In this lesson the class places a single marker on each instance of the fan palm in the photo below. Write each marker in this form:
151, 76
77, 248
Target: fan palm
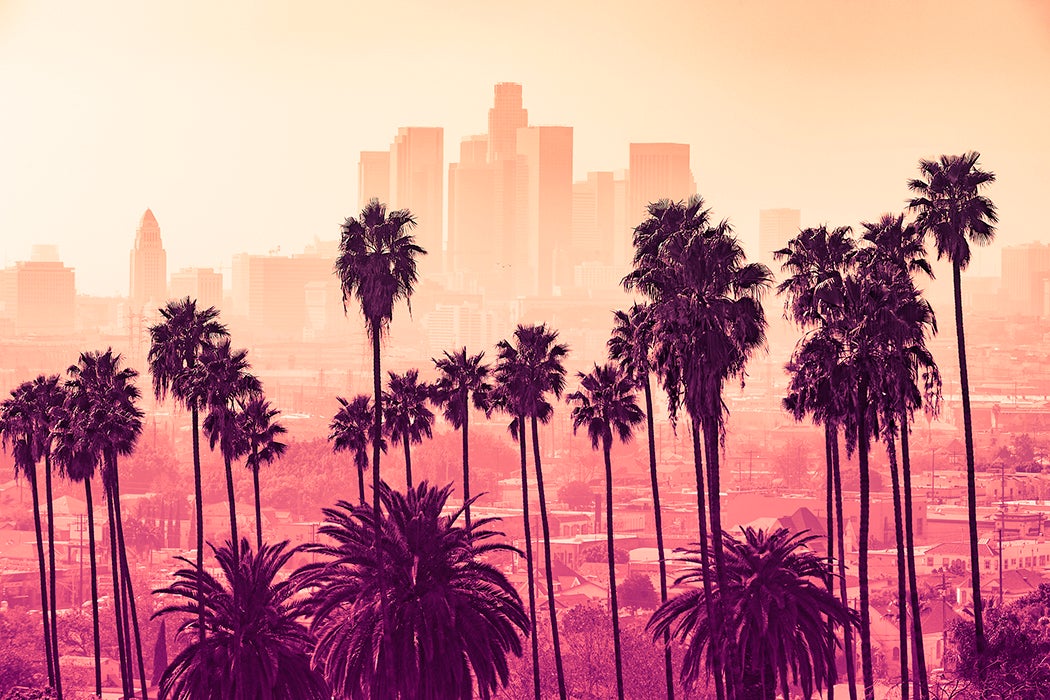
408, 418
257, 645
776, 606
453, 617
606, 404
630, 346
261, 429
176, 344
952, 208
530, 369
350, 430
462, 380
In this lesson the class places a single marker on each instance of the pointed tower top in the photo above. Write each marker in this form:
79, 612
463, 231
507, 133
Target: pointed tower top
148, 233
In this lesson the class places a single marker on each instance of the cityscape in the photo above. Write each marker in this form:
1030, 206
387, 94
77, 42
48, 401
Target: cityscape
655, 391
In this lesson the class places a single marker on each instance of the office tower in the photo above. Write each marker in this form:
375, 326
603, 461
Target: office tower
657, 171
1026, 278
506, 116
373, 177
271, 291
149, 266
417, 176
593, 215
541, 253
473, 249
775, 228
38, 296
200, 283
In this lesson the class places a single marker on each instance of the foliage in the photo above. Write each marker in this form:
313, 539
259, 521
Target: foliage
22, 660
577, 495
637, 591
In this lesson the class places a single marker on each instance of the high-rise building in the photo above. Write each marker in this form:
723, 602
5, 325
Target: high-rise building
657, 171
38, 297
1026, 278
506, 116
200, 283
270, 291
593, 214
373, 177
417, 177
473, 249
149, 265
542, 249
775, 228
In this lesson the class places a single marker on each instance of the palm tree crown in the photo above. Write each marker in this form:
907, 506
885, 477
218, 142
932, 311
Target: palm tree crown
606, 403
176, 344
350, 430
530, 369
462, 380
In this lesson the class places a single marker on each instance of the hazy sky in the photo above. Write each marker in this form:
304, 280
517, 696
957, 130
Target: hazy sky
240, 123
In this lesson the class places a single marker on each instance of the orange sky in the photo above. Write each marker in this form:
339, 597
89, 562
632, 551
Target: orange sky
240, 123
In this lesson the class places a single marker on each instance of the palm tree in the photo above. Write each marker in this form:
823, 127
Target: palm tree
105, 397
377, 266
260, 428
952, 209
19, 432
350, 430
630, 346
453, 617
606, 402
223, 374
176, 344
257, 645
462, 380
776, 606
408, 419
529, 370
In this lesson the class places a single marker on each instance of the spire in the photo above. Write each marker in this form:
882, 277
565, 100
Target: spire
148, 233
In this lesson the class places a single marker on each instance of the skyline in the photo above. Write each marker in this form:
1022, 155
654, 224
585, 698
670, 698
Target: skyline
241, 128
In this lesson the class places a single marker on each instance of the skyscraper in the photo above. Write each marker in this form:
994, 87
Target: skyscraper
657, 171
542, 258
200, 283
473, 249
149, 265
417, 183
506, 116
775, 228
373, 177
38, 296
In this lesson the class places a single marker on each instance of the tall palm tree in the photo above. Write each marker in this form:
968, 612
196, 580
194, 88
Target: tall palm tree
351, 428
105, 398
408, 418
377, 266
530, 369
176, 344
453, 617
19, 433
630, 346
224, 374
462, 380
606, 403
261, 429
952, 208
776, 605
257, 644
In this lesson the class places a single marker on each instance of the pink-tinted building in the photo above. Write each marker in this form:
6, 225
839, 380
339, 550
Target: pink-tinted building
473, 248
373, 177
38, 297
542, 255
149, 266
657, 171
417, 182
775, 228
201, 283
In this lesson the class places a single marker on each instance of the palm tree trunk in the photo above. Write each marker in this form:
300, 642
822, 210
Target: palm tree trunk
232, 497
613, 604
714, 509
829, 506
653, 477
971, 477
258, 504
361, 483
466, 461
919, 671
382, 683
528, 557
705, 554
96, 632
129, 590
408, 463
551, 604
51, 565
902, 575
48, 646
118, 601
865, 522
847, 632
199, 506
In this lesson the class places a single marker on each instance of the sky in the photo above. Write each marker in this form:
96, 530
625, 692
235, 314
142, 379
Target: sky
239, 123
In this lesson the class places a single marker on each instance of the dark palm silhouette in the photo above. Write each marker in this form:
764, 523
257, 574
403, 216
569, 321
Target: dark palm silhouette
606, 404
408, 418
776, 605
224, 375
630, 346
952, 209
530, 369
261, 429
257, 645
104, 397
462, 381
350, 430
176, 344
453, 617
377, 267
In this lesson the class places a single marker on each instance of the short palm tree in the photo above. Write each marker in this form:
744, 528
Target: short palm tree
257, 645
776, 605
462, 381
453, 617
606, 405
350, 430
952, 209
408, 418
261, 429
